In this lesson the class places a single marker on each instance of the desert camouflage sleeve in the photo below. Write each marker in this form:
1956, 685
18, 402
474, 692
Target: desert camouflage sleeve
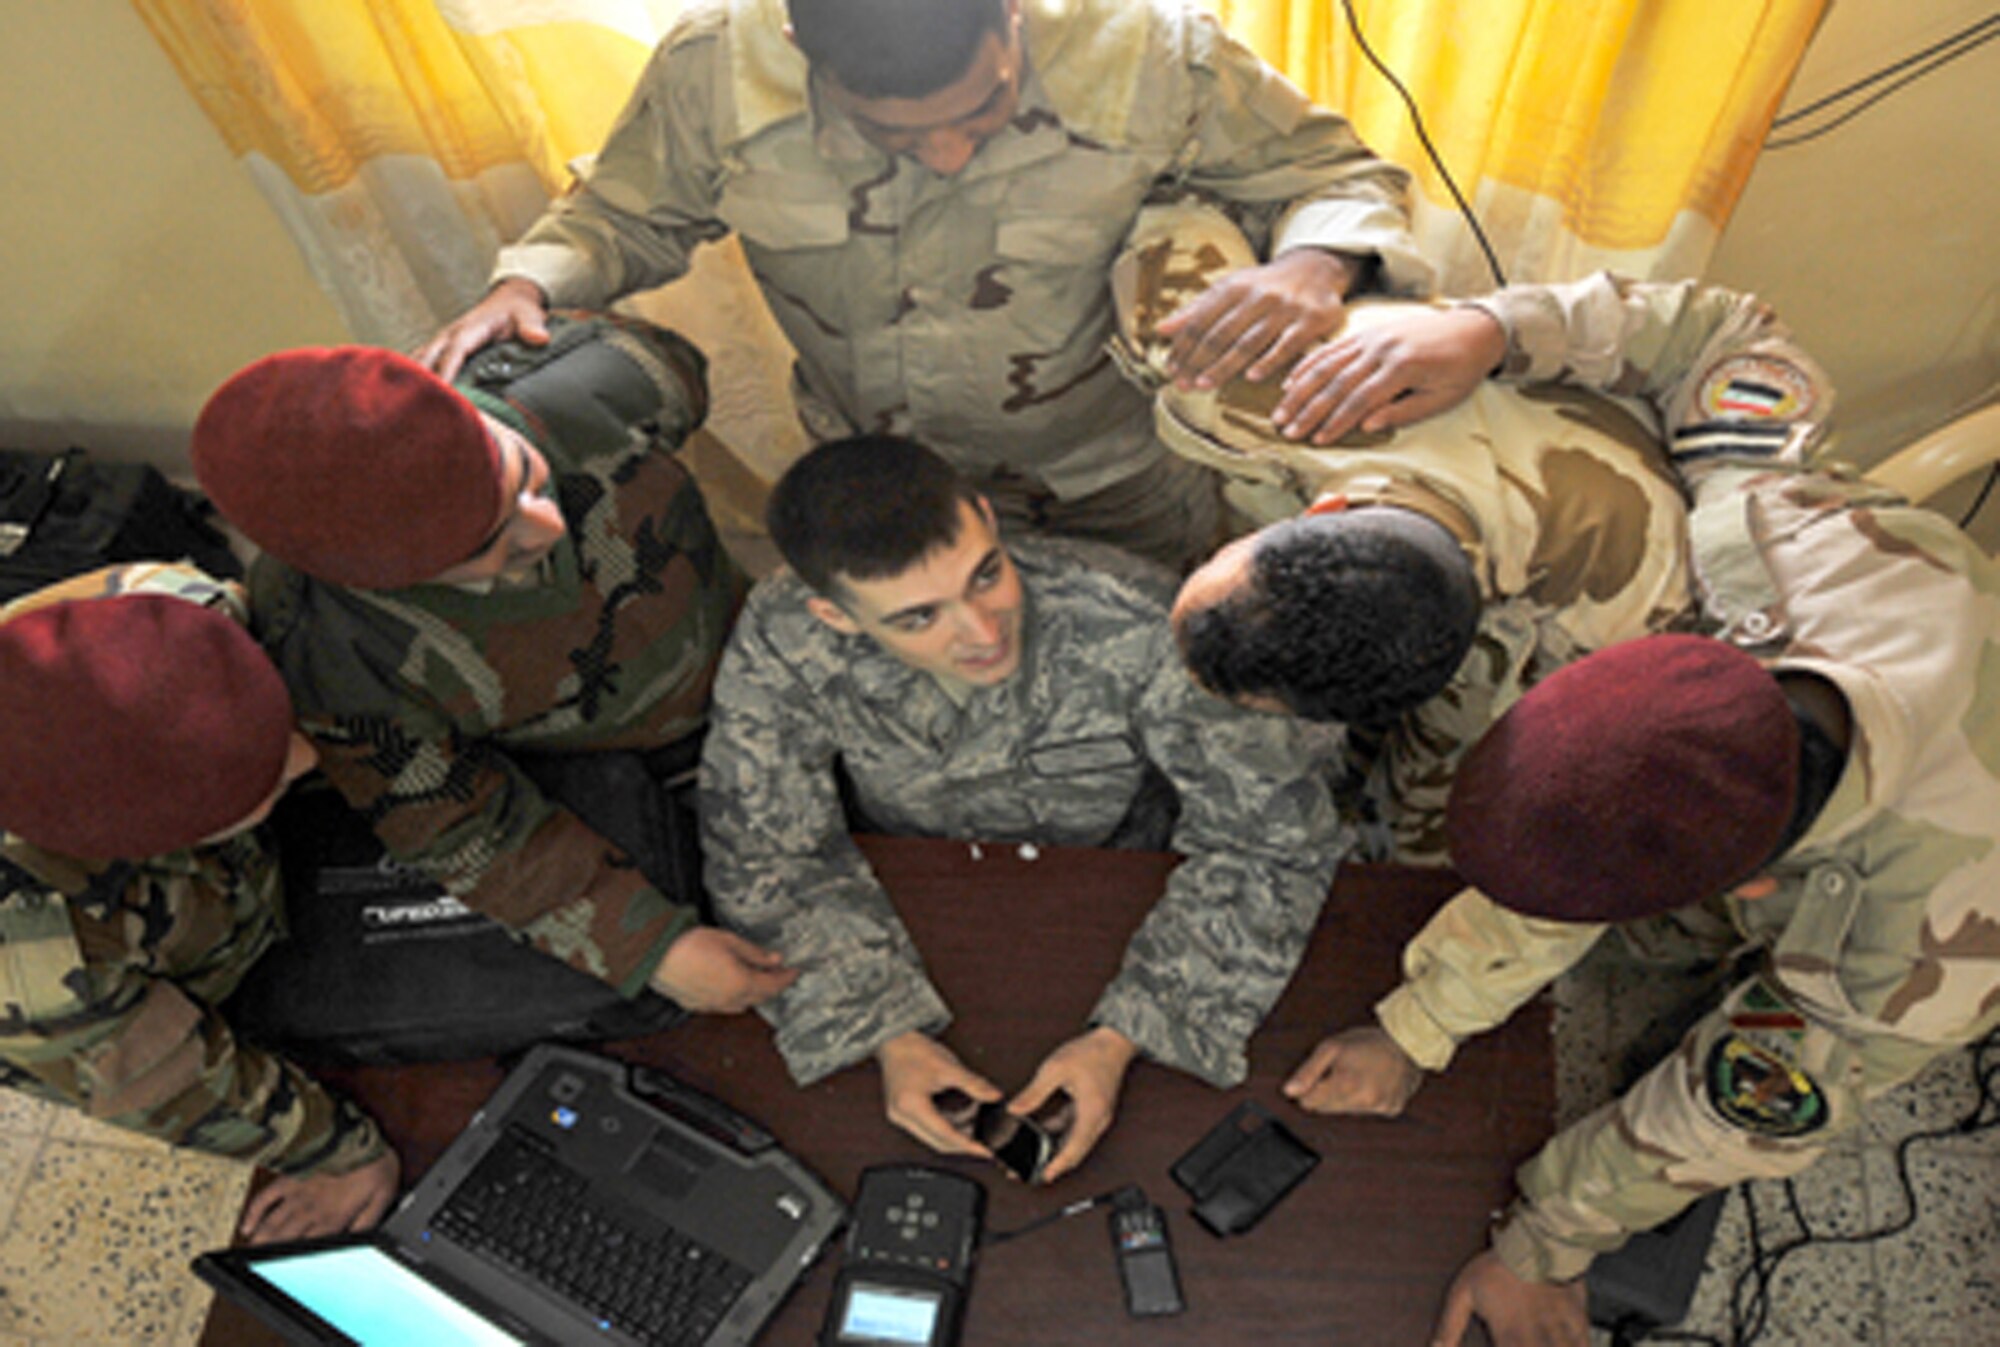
1728, 379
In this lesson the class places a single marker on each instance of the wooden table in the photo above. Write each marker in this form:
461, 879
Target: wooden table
1020, 947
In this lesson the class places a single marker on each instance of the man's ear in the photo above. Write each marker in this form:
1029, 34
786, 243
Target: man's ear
831, 613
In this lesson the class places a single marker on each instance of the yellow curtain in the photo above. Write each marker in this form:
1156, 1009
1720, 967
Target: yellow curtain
402, 141
1585, 133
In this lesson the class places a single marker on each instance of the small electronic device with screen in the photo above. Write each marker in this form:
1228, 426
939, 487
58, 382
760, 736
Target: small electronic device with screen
1021, 1145
907, 1264
1145, 1256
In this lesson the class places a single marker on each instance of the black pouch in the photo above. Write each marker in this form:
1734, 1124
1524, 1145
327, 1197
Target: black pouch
1240, 1170
63, 514
382, 966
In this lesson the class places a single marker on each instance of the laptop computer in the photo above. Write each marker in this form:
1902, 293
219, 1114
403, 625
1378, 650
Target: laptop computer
586, 1203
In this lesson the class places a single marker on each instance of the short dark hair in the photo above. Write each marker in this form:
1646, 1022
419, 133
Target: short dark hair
864, 508
894, 48
1354, 617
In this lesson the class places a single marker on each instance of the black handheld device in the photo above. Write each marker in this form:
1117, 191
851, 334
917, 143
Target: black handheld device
1022, 1146
907, 1263
1145, 1257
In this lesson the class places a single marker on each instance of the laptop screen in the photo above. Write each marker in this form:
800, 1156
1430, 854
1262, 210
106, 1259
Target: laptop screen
375, 1300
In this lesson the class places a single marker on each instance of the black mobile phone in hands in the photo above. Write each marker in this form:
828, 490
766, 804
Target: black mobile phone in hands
1022, 1146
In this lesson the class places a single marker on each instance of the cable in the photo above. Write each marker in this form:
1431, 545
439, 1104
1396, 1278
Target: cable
1076, 1208
1884, 72
1978, 501
1424, 137
1750, 1292
1962, 49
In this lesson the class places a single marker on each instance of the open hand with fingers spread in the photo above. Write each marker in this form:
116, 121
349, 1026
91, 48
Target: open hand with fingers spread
514, 308
1256, 321
1389, 374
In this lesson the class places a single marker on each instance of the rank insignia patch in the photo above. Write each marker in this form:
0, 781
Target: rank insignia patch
1754, 388
1759, 1091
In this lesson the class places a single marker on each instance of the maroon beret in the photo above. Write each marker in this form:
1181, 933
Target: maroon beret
134, 725
354, 465
1645, 777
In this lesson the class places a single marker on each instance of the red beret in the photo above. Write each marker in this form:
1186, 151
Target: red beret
354, 465
1645, 777
134, 725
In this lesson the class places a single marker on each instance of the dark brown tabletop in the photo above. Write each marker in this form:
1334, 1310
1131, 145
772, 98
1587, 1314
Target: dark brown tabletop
1020, 946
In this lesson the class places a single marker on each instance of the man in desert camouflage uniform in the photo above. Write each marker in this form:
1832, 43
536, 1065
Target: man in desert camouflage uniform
930, 194
961, 688
1554, 507
455, 576
1876, 923
142, 735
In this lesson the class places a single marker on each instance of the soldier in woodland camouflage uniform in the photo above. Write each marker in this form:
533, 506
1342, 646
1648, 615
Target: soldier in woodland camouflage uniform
930, 194
1878, 923
142, 734
1017, 694
1569, 523
454, 575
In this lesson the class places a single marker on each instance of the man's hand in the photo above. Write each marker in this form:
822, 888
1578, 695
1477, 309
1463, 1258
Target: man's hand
1390, 375
1517, 1313
1090, 1069
516, 307
1359, 1070
916, 1068
1269, 315
717, 972
311, 1205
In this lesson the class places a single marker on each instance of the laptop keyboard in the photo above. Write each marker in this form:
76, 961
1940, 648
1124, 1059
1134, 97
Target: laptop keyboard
525, 1209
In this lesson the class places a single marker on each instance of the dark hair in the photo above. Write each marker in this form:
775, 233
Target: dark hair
1354, 617
865, 507
894, 48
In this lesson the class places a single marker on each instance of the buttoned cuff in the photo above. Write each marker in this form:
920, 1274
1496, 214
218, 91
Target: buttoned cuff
1172, 1040
1405, 1019
1531, 1257
1365, 228
566, 277
816, 1050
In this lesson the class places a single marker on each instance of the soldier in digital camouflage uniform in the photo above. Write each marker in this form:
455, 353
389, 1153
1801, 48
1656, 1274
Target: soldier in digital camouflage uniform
1877, 924
1014, 694
453, 576
930, 194
1570, 526
142, 735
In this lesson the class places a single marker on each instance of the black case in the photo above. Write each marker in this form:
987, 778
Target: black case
383, 967
1240, 1170
63, 514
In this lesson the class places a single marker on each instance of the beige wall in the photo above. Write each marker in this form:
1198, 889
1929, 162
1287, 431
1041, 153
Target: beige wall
1878, 241
142, 267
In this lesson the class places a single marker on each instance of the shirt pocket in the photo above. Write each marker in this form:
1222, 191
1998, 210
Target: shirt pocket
791, 230
1083, 757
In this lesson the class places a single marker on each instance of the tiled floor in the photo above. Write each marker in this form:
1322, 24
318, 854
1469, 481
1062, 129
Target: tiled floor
97, 1227
1935, 1284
